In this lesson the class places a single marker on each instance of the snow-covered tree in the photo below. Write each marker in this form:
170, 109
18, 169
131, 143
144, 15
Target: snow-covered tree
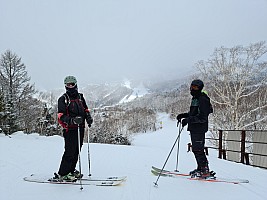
116, 124
29, 116
17, 90
236, 79
47, 120
1, 107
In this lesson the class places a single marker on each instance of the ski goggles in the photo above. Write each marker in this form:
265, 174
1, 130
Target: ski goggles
70, 85
194, 87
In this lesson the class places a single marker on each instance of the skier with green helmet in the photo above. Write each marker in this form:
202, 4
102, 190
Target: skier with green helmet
72, 114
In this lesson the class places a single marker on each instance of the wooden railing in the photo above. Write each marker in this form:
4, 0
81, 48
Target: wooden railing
244, 146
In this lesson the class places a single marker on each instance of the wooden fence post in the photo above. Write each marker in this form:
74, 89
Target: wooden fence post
247, 158
220, 144
243, 146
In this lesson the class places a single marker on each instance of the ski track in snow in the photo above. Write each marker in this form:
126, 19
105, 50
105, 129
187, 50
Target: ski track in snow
23, 155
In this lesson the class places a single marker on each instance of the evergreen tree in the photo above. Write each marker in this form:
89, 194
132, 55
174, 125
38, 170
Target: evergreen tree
1, 109
16, 90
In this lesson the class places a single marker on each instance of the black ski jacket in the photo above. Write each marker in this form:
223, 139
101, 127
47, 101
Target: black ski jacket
197, 117
70, 107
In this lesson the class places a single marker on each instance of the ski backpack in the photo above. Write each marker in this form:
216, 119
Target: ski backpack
205, 93
70, 106
68, 102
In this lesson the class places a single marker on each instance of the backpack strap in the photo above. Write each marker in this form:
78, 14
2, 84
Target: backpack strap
68, 101
67, 98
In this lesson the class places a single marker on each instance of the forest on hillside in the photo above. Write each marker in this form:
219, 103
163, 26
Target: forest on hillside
235, 79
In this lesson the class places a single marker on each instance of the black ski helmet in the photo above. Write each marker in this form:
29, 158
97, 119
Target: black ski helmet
198, 83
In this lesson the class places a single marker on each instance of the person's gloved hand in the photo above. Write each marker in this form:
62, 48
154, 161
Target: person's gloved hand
181, 116
184, 122
89, 119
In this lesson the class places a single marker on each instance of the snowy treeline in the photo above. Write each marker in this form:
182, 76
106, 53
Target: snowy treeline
235, 79
173, 102
18, 107
47, 119
116, 124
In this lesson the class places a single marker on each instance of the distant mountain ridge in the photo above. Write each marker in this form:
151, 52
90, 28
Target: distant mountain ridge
109, 94
116, 93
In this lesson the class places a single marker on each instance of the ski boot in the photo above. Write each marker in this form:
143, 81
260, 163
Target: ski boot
55, 178
66, 178
77, 174
206, 174
194, 172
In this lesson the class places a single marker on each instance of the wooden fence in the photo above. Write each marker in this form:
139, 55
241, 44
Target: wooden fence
244, 146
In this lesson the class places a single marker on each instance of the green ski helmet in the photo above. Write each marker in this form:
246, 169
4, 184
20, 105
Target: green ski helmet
70, 79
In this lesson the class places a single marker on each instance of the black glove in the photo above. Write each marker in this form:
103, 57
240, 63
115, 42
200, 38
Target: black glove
89, 119
184, 122
77, 120
180, 116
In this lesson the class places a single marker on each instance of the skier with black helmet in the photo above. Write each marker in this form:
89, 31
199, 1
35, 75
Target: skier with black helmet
72, 113
197, 120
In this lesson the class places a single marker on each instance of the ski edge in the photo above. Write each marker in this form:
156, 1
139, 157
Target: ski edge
168, 172
96, 182
157, 171
109, 178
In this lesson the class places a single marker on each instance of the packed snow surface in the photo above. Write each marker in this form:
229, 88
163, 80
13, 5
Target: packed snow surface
22, 155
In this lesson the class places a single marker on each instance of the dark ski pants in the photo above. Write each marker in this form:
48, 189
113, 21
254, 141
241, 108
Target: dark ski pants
71, 153
198, 143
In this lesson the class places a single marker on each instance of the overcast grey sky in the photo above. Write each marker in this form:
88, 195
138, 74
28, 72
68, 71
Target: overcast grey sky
109, 40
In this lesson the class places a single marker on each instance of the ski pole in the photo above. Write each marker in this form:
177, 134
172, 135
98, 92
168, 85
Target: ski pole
79, 156
178, 137
89, 160
178, 147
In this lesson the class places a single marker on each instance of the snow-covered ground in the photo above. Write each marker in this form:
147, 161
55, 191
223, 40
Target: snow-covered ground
23, 155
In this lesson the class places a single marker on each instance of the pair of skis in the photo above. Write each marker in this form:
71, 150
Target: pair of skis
97, 181
166, 173
115, 181
161, 172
